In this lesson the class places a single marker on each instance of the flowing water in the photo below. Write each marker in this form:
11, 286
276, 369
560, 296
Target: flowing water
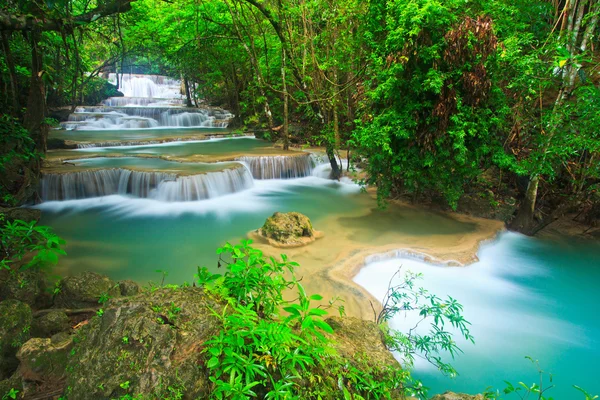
525, 297
131, 201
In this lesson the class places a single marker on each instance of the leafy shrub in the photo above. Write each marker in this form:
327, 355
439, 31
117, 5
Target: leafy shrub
19, 238
272, 348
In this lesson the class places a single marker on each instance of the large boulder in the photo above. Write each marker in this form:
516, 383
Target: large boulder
153, 341
15, 324
44, 359
84, 290
50, 323
288, 230
457, 396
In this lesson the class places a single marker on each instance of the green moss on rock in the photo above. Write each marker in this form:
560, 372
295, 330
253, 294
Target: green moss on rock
15, 324
84, 290
288, 229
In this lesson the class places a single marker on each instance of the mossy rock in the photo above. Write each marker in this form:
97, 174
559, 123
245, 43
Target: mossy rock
84, 290
45, 359
51, 323
153, 341
288, 230
129, 288
28, 286
12, 383
15, 324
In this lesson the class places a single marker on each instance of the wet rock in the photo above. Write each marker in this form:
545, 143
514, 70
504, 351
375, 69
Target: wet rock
84, 290
152, 340
49, 324
28, 286
25, 214
129, 288
457, 396
45, 359
15, 324
288, 230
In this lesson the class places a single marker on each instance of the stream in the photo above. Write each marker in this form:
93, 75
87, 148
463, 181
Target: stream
154, 186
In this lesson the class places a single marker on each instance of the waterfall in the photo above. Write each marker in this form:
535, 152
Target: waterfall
279, 167
151, 86
139, 117
154, 185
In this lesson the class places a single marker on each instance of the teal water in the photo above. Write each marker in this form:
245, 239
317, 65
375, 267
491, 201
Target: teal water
186, 149
132, 134
147, 164
525, 297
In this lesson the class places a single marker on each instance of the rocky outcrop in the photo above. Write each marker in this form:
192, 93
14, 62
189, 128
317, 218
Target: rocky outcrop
288, 230
84, 290
153, 341
15, 323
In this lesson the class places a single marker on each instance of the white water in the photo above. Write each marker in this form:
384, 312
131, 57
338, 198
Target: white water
167, 187
150, 101
279, 167
511, 297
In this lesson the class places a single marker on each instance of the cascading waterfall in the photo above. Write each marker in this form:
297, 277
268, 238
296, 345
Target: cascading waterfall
137, 117
151, 101
154, 185
279, 167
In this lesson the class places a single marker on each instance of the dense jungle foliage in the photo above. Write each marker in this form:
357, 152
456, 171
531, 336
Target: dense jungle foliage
434, 100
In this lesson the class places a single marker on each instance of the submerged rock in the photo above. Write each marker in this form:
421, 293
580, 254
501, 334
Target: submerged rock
153, 341
84, 290
15, 323
288, 230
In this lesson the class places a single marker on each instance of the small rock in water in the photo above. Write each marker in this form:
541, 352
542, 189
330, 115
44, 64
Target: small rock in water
288, 230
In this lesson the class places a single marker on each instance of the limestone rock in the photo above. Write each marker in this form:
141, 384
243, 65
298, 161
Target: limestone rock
288, 230
49, 324
84, 290
457, 396
152, 340
129, 288
45, 359
15, 323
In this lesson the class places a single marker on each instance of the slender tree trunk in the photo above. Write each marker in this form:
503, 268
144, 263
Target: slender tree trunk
11, 72
188, 97
36, 103
285, 130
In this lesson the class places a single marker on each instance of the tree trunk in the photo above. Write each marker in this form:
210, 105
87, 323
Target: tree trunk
188, 97
12, 73
285, 130
336, 172
524, 222
36, 103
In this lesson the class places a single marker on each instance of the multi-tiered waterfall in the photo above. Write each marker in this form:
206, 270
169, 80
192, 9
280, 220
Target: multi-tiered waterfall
150, 101
106, 159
